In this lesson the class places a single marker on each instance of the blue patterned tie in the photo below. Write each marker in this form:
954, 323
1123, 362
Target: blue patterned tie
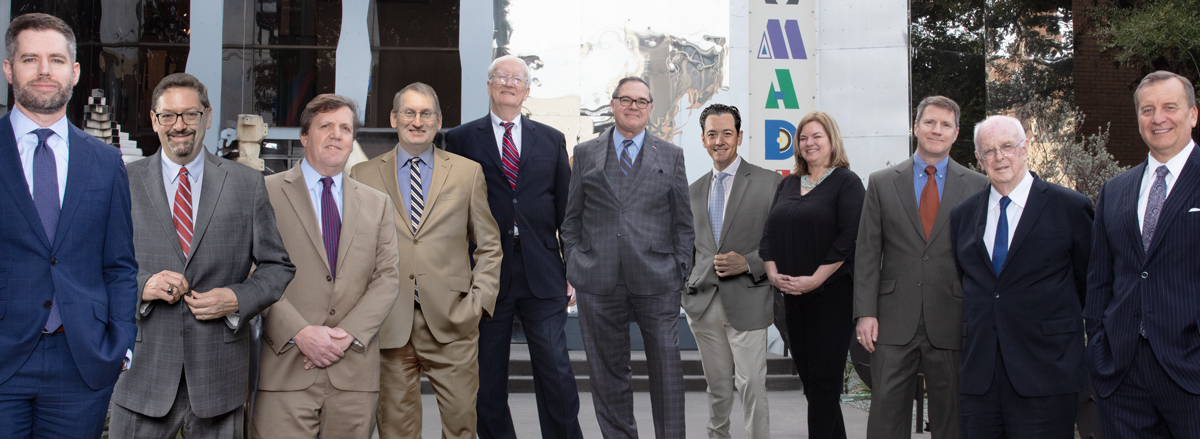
45, 197
716, 206
1158, 196
1000, 249
416, 196
626, 160
331, 225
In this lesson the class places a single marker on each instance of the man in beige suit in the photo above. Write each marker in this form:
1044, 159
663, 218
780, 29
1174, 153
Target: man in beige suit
320, 368
441, 207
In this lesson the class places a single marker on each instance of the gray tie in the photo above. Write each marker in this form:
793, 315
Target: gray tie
1158, 196
45, 198
716, 206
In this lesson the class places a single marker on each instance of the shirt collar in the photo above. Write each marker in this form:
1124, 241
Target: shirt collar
402, 156
312, 178
637, 139
1018, 196
1175, 164
497, 121
195, 167
731, 169
23, 125
919, 165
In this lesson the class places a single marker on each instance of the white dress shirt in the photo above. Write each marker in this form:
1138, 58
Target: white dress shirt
1019, 196
27, 142
170, 171
1174, 167
498, 130
316, 189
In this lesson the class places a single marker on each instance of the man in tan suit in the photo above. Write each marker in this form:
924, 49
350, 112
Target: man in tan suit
441, 203
320, 368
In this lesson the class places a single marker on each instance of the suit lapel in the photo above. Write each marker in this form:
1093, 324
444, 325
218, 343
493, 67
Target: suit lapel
387, 173
981, 213
602, 161
12, 177
79, 177
904, 191
1185, 185
214, 182
152, 186
649, 158
1034, 205
952, 190
486, 136
296, 191
351, 207
703, 224
734, 202
441, 170
1127, 202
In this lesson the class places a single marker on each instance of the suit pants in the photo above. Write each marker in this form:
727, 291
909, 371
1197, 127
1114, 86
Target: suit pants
894, 371
1149, 403
1001, 412
128, 424
47, 398
544, 322
320, 411
453, 371
820, 326
732, 360
604, 321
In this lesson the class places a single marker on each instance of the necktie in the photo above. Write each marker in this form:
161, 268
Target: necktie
716, 206
1000, 249
1158, 196
45, 198
416, 198
331, 225
929, 201
511, 158
626, 161
182, 213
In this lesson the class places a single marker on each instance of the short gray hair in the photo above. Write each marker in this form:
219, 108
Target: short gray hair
1163, 75
1012, 122
496, 62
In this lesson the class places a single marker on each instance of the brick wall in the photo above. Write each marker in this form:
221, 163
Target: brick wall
1104, 92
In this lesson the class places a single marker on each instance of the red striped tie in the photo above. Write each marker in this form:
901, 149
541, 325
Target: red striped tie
511, 159
183, 211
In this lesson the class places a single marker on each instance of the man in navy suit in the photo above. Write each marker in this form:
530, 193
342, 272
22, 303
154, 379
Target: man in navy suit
1144, 285
67, 268
526, 168
1022, 248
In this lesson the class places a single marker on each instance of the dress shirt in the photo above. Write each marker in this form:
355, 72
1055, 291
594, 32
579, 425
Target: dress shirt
731, 170
919, 176
170, 171
1018, 198
27, 142
498, 129
404, 177
633, 149
1174, 167
316, 189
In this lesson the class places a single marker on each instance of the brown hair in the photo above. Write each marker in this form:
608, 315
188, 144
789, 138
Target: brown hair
179, 80
837, 157
37, 21
942, 102
1163, 75
327, 103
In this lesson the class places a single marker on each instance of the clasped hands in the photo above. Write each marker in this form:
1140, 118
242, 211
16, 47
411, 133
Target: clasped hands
794, 285
321, 345
170, 286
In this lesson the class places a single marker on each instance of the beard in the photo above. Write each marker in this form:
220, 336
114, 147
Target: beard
51, 104
184, 148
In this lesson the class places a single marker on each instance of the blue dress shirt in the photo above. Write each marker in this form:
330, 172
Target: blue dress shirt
316, 189
633, 149
919, 176
403, 176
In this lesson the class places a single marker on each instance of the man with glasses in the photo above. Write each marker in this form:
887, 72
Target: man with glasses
628, 241
527, 172
433, 328
201, 224
1022, 248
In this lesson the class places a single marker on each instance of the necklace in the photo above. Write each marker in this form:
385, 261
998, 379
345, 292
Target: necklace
809, 185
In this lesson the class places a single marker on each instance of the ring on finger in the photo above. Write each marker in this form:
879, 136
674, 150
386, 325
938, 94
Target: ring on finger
170, 289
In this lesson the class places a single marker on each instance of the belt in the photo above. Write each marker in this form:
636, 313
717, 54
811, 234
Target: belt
56, 331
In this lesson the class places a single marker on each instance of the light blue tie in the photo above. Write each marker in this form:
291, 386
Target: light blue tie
1000, 249
716, 206
45, 198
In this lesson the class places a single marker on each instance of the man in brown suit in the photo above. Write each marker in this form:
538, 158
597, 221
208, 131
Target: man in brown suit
441, 203
320, 368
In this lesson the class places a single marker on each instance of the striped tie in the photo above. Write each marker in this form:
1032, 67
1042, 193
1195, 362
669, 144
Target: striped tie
182, 212
512, 158
416, 195
626, 161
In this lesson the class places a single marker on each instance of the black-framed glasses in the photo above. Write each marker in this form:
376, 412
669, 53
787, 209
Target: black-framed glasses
1005, 150
510, 79
409, 115
626, 101
189, 117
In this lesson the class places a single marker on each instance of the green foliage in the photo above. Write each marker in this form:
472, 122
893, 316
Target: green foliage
1060, 152
1030, 52
1151, 34
947, 43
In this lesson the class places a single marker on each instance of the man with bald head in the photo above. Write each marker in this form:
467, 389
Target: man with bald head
527, 173
1022, 248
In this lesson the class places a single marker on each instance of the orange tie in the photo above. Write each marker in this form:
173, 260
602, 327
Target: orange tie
929, 201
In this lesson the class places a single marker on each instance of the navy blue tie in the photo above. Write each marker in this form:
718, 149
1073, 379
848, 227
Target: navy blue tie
1000, 249
45, 198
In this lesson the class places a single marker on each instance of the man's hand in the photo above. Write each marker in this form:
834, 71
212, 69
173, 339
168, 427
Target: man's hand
165, 285
571, 295
730, 264
868, 332
213, 304
321, 345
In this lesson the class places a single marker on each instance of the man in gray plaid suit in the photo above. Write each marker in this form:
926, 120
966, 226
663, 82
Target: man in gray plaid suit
200, 223
628, 246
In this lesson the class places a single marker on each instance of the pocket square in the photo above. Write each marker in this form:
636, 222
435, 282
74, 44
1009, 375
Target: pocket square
1194, 209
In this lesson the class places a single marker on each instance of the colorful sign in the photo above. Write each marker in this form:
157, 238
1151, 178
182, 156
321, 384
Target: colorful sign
783, 79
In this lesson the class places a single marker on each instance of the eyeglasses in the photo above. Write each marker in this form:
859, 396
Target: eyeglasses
510, 79
1005, 150
409, 115
626, 101
189, 117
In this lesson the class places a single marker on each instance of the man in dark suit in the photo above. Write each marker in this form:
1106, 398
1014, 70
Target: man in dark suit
1022, 249
729, 303
67, 267
201, 223
628, 241
1142, 311
525, 165
907, 296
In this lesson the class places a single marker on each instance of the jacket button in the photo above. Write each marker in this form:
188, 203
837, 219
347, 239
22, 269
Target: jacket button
328, 278
414, 241
54, 261
332, 311
918, 284
1145, 275
48, 304
997, 296
926, 258
411, 277
514, 201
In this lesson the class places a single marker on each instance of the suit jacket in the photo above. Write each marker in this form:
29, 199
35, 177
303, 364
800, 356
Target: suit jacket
543, 176
90, 266
648, 229
1034, 310
367, 284
454, 295
234, 232
747, 297
1126, 282
900, 275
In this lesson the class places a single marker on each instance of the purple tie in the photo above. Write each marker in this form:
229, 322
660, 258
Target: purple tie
45, 197
1158, 196
331, 225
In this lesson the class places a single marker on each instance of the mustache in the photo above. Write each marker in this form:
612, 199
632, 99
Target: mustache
183, 132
